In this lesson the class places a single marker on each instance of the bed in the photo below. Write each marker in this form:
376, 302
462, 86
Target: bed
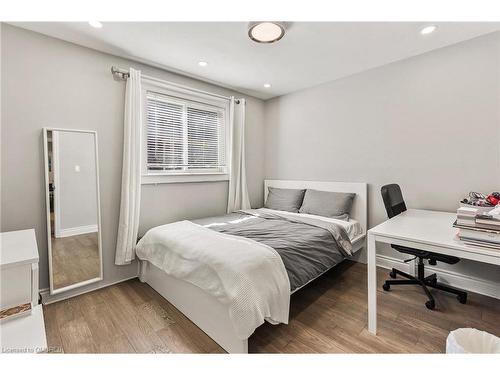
281, 252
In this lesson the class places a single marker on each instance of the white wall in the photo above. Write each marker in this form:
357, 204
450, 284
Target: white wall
47, 82
430, 123
76, 189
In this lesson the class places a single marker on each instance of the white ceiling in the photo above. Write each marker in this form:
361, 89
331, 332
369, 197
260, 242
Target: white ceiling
309, 54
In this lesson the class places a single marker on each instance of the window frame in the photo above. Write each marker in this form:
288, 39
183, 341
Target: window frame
202, 99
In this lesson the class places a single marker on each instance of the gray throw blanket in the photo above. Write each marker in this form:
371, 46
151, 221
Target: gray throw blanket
308, 247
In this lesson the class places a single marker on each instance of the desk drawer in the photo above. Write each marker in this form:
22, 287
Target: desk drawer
15, 287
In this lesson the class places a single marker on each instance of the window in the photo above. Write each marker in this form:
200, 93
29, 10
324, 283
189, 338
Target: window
185, 136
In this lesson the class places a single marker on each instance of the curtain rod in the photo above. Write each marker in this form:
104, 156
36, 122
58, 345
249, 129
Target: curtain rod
120, 74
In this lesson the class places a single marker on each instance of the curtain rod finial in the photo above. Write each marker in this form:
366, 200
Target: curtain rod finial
118, 74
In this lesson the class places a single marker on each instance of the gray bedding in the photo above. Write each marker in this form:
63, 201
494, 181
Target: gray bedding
308, 247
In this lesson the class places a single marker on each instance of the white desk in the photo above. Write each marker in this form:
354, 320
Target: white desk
420, 229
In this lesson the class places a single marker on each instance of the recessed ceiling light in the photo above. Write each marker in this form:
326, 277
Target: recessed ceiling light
95, 24
428, 29
267, 85
202, 63
266, 32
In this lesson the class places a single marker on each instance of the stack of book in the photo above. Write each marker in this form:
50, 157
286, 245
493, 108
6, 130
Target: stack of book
479, 226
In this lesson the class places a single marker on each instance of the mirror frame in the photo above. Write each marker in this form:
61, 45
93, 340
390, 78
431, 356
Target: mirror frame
47, 205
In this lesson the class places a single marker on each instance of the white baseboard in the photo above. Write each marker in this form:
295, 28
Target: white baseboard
465, 282
48, 299
77, 231
390, 262
471, 284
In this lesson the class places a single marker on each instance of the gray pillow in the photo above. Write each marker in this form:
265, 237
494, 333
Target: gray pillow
284, 199
327, 203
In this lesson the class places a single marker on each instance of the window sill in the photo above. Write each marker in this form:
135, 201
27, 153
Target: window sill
181, 178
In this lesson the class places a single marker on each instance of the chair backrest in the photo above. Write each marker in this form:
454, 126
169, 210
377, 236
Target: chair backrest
393, 199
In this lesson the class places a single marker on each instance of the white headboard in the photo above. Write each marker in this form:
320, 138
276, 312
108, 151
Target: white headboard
359, 209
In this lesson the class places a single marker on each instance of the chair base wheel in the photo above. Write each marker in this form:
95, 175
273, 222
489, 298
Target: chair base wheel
386, 287
430, 305
462, 299
392, 274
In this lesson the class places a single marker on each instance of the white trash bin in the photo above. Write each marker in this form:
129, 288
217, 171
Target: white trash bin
471, 340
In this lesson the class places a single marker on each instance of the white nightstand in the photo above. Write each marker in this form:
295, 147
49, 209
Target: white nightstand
21, 317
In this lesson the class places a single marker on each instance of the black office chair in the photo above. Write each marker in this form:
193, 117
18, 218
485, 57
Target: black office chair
394, 205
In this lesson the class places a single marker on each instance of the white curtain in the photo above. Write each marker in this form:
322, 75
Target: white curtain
131, 171
238, 192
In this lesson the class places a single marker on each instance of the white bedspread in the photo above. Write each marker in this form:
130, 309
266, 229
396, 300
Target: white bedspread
246, 275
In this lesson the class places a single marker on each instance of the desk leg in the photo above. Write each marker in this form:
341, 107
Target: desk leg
372, 285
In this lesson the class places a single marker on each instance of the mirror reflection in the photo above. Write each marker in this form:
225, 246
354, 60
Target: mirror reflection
73, 216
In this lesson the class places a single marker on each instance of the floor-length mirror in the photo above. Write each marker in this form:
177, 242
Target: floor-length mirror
73, 212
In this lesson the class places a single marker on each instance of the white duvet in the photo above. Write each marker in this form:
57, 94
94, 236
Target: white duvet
248, 276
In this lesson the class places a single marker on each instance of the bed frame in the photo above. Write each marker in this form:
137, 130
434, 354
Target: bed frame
208, 313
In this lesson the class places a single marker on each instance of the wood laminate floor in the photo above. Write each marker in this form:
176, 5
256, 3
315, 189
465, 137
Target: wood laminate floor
75, 259
327, 316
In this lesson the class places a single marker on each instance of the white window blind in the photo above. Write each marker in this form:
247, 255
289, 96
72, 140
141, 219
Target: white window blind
183, 136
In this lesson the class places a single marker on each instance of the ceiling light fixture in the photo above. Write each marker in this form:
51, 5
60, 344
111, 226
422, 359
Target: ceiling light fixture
267, 85
428, 29
202, 63
266, 32
95, 24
